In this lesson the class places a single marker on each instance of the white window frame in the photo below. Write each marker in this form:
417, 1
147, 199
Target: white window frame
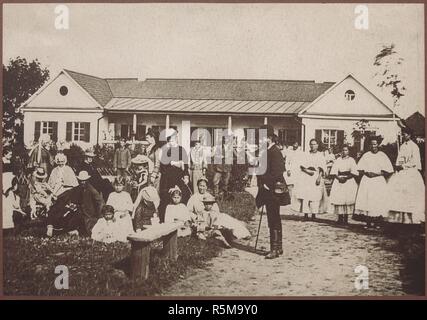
79, 126
328, 143
46, 128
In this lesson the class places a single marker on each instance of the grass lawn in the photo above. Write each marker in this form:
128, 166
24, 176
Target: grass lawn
97, 269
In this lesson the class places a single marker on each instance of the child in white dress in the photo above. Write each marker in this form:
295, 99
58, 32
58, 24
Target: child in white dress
178, 212
122, 203
108, 229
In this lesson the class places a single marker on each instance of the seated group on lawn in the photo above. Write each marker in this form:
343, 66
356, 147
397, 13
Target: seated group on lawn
79, 200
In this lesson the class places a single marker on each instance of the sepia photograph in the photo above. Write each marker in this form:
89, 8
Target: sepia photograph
213, 150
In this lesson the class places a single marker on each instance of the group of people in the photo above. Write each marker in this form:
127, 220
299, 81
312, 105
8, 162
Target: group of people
371, 190
148, 188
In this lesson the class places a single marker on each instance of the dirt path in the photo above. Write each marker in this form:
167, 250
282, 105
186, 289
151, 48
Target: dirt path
319, 259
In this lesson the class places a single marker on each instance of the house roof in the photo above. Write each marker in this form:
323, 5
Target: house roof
219, 89
416, 122
206, 106
97, 87
201, 95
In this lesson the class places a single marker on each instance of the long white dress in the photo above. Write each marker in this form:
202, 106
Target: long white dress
407, 186
308, 193
343, 195
373, 195
9, 203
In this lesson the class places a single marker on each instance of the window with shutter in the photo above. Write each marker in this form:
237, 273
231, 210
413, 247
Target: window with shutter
140, 132
54, 135
68, 133
86, 132
37, 131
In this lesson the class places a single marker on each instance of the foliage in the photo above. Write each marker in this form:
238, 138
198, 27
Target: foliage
387, 61
98, 269
21, 79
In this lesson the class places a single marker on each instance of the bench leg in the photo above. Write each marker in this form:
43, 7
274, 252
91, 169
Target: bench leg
140, 260
170, 245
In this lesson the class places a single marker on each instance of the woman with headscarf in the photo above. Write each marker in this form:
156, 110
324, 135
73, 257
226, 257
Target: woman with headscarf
373, 196
62, 177
407, 189
310, 185
344, 187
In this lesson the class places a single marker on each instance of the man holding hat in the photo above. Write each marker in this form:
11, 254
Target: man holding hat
268, 182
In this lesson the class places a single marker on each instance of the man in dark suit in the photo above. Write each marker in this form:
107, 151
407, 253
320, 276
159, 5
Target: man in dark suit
267, 183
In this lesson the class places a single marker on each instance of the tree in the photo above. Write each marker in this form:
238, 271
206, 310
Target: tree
21, 79
388, 61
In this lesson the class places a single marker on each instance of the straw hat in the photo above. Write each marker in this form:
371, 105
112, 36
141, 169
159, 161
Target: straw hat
83, 176
40, 173
140, 159
89, 153
209, 199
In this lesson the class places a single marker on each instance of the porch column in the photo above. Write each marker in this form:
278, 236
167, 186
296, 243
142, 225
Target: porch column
265, 120
230, 124
167, 121
186, 135
134, 127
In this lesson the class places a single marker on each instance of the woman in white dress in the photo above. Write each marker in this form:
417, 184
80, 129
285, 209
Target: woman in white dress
309, 191
406, 185
373, 196
344, 187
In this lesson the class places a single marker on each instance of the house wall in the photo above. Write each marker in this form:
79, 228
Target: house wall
30, 117
185, 122
387, 128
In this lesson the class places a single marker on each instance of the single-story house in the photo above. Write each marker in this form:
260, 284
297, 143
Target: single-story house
81, 108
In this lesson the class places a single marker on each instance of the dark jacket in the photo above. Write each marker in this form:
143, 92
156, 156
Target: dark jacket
275, 168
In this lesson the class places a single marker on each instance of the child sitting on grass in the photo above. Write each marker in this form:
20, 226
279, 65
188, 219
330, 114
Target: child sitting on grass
178, 212
108, 229
205, 222
122, 203
12, 212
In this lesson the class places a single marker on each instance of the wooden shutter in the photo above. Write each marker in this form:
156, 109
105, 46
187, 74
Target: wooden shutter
69, 132
340, 137
318, 136
124, 130
37, 127
86, 132
140, 132
54, 131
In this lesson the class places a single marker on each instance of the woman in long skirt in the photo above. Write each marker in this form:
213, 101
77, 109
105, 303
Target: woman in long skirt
344, 187
309, 191
406, 185
373, 196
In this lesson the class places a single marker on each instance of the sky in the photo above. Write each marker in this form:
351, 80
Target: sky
225, 41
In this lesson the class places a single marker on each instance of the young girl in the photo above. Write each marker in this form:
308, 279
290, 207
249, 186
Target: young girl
139, 175
122, 203
40, 192
178, 212
108, 229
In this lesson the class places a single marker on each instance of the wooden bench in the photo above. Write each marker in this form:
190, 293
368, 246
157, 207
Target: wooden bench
141, 247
